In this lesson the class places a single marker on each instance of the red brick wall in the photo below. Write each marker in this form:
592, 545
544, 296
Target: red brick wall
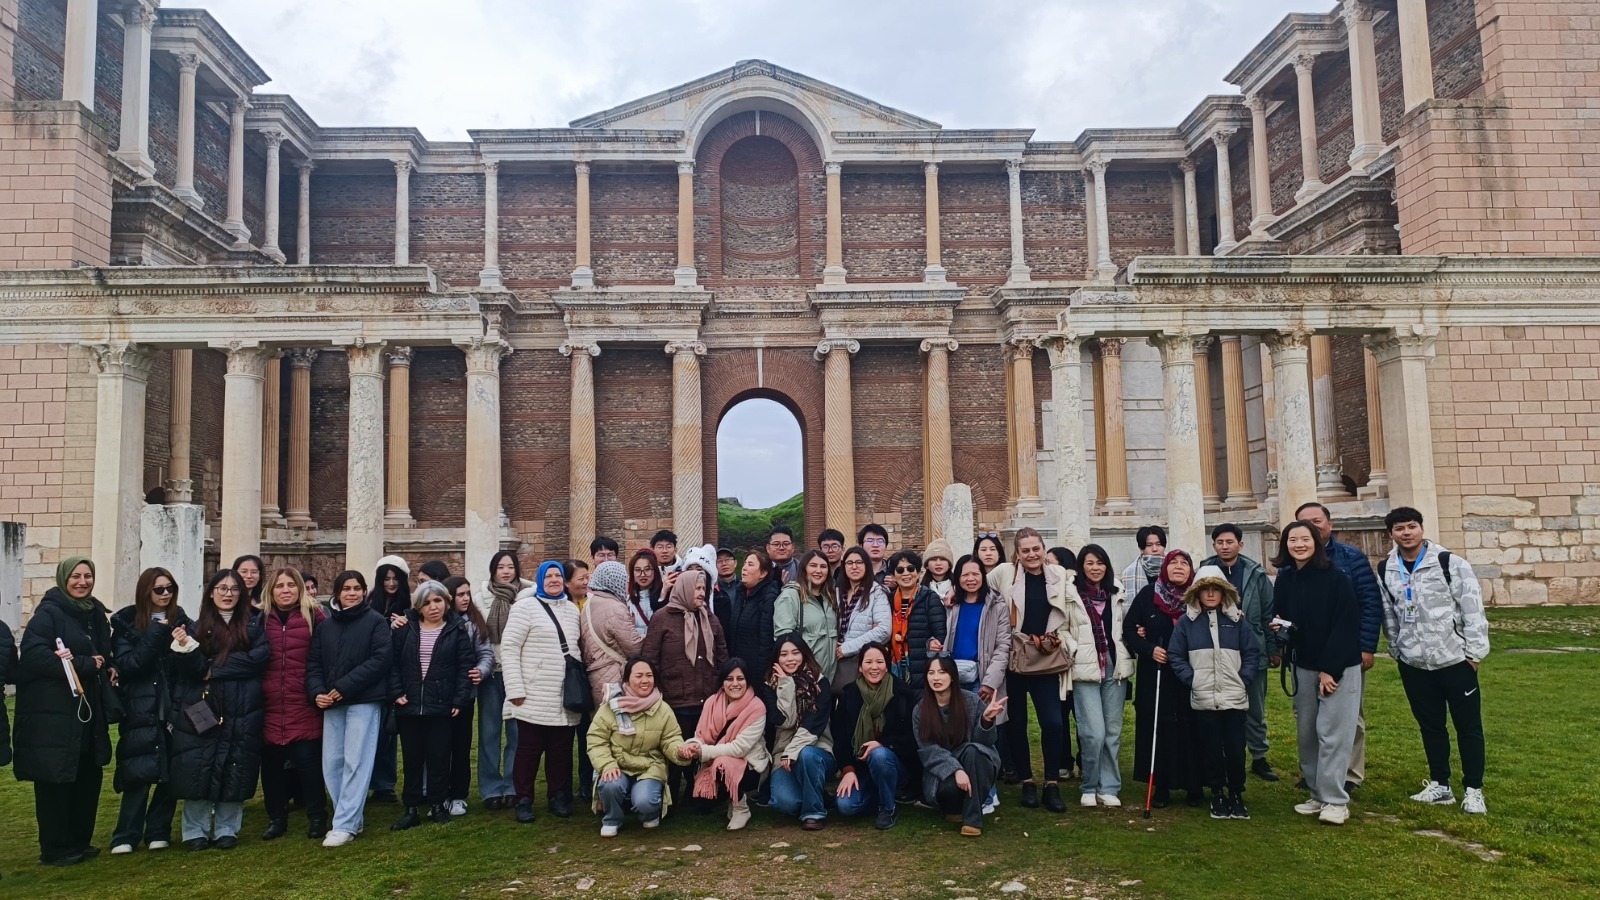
538, 229
447, 225
1283, 155
885, 227
975, 226
887, 388
760, 203
439, 436
634, 227
1350, 407
535, 434
353, 216
1054, 231
330, 436
1239, 171
1139, 211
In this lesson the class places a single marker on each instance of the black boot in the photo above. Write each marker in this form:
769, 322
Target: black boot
1263, 770
525, 811
438, 815
561, 805
276, 828
409, 820
1052, 798
318, 829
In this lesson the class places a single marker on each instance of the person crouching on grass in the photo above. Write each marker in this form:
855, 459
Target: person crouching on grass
1214, 653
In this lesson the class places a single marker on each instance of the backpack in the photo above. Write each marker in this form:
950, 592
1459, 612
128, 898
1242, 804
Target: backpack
1444, 567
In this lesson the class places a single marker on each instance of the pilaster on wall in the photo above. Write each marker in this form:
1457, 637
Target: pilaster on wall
68, 212
8, 40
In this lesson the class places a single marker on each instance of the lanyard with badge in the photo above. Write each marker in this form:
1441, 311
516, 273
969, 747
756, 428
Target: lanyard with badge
1408, 611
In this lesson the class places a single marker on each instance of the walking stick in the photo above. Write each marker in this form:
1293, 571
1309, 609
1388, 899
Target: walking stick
1155, 729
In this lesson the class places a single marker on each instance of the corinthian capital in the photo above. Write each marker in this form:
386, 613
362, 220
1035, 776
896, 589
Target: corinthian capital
124, 358
484, 354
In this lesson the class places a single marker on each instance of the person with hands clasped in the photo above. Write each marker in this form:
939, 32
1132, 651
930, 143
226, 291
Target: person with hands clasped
955, 738
293, 729
430, 684
804, 745
1158, 693
1101, 668
633, 738
730, 743
541, 632
872, 742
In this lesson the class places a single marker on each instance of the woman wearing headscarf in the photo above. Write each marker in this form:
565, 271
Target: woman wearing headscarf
483, 666
864, 616
1100, 672
540, 632
1146, 632
497, 744
62, 740
293, 732
805, 607
685, 647
606, 628
955, 736
804, 703
730, 743
141, 635
633, 740
872, 742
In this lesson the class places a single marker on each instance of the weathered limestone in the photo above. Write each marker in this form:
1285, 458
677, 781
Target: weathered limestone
302, 231
839, 475
940, 469
1306, 94
935, 271
1402, 357
483, 489
489, 276
583, 265
1019, 271
688, 479
77, 76
1180, 243
956, 515
1208, 453
1416, 54
397, 504
183, 186
1377, 475
363, 530
1225, 241
582, 459
1115, 450
1091, 229
1291, 387
1026, 503
271, 407
1240, 493
402, 211
13, 550
1105, 269
1364, 108
124, 372
241, 449
269, 241
1073, 508
834, 272
1191, 208
1330, 472
133, 144
180, 487
1260, 177
235, 218
297, 512
685, 275
174, 538
1186, 519
1098, 374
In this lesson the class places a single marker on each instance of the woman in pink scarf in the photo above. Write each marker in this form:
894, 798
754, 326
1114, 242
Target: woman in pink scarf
1146, 630
730, 743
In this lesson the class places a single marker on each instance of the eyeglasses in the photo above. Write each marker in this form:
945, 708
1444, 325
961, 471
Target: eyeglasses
781, 545
227, 589
874, 542
163, 589
904, 570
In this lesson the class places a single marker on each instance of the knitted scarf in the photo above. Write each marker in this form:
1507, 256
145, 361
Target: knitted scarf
874, 700
1169, 594
505, 594
1096, 598
628, 704
724, 719
899, 649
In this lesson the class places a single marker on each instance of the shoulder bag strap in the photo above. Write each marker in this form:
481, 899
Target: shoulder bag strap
560, 635
588, 622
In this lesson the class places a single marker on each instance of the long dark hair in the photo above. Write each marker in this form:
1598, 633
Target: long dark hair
1107, 582
807, 678
1065, 558
1319, 554
994, 539
946, 731
144, 606
656, 598
251, 595
218, 637
516, 567
455, 583
842, 581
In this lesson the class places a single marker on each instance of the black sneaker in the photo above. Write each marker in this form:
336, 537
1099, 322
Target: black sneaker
197, 844
1009, 775
1052, 798
886, 819
1263, 770
61, 862
1236, 807
226, 842
438, 814
561, 805
1030, 795
1220, 809
409, 820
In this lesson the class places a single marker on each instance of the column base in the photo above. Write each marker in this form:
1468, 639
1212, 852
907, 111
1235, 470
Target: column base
933, 275
1259, 224
1377, 486
1308, 190
1106, 272
1027, 508
1364, 155
271, 517
296, 519
275, 254
1224, 248
139, 162
1019, 274
237, 229
190, 196
833, 275
490, 278
1329, 494
1212, 505
685, 276
582, 277
1117, 506
1239, 501
398, 518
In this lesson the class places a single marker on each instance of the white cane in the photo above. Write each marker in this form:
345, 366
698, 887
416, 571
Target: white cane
1155, 730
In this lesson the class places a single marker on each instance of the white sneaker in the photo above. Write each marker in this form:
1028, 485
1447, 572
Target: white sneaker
1110, 801
653, 823
337, 839
739, 815
609, 830
1473, 803
1334, 815
1086, 801
159, 845
458, 807
989, 806
1308, 808
1435, 793
120, 849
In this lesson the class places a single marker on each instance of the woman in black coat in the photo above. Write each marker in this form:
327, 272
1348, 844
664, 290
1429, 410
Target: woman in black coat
754, 595
920, 619
430, 689
142, 637
62, 742
875, 769
214, 772
1146, 631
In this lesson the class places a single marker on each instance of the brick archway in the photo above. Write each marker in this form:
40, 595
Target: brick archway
805, 249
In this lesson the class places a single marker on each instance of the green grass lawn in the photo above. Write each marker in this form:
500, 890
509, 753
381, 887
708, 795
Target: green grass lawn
1541, 712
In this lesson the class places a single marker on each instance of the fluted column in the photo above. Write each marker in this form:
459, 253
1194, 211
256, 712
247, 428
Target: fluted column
1402, 356
838, 438
1260, 173
124, 373
685, 275
180, 428
297, 508
489, 275
183, 183
1310, 162
1019, 271
1378, 475
582, 459
1208, 449
1186, 515
235, 220
1118, 501
271, 437
1098, 373
1416, 52
834, 271
1191, 207
1241, 494
78, 57
935, 271
1073, 509
269, 241
363, 530
1330, 472
483, 489
1364, 104
940, 471
1091, 228
688, 478
1291, 389
397, 502
134, 140
583, 265
1105, 269
302, 230
1225, 241
1023, 408
241, 450
402, 212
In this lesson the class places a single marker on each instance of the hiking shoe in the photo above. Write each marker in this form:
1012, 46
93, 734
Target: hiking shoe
1219, 807
525, 811
410, 820
1263, 770
560, 805
438, 814
1436, 794
1309, 807
1473, 802
1236, 808
886, 819
1030, 795
1333, 814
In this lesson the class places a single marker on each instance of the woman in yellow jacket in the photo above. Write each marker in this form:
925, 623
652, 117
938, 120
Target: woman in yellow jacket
633, 739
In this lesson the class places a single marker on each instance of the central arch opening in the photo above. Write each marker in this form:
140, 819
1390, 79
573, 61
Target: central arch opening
760, 473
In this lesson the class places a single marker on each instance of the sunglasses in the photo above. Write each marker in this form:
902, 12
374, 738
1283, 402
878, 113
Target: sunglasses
163, 590
988, 534
904, 570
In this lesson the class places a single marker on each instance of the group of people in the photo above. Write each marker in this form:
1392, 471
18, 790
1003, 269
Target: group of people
847, 680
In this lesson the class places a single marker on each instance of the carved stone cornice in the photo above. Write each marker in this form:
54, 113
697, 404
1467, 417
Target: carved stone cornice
910, 313
632, 316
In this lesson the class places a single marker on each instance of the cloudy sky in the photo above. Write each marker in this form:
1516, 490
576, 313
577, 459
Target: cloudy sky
445, 66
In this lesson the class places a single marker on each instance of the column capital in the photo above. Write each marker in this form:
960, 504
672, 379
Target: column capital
1413, 342
403, 167
1110, 347
124, 358
400, 357
1021, 347
948, 345
1065, 349
188, 61
1014, 168
247, 358
1202, 344
829, 345
1097, 165
1288, 339
1186, 166
305, 165
303, 357
1178, 348
1256, 103
484, 354
365, 357
686, 167
576, 347
239, 106
580, 168
491, 167
832, 168
693, 348
930, 168
1304, 64
1220, 136
274, 137
1353, 11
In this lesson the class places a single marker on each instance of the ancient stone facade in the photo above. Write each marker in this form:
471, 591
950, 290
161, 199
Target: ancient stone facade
1362, 280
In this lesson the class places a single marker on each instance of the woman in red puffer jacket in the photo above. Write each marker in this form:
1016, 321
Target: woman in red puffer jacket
292, 736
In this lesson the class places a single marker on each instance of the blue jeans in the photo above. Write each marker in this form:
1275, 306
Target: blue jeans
349, 742
198, 823
645, 794
1099, 711
797, 791
877, 782
145, 815
497, 744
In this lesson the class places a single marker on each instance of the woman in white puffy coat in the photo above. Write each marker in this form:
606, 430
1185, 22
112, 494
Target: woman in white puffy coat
531, 659
1101, 667
864, 616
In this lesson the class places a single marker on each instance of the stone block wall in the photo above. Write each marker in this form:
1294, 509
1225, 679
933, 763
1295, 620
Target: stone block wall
887, 383
760, 203
1284, 170
633, 227
439, 437
978, 429
354, 217
535, 429
55, 187
446, 225
538, 229
975, 226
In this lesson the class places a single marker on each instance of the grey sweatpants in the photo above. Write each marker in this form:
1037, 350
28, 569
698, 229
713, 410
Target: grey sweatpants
1326, 730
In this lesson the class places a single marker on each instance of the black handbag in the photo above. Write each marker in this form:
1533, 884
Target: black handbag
575, 695
202, 718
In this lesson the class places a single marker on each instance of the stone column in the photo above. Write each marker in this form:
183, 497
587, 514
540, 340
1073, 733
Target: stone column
397, 504
363, 530
235, 221
269, 241
1118, 501
834, 271
241, 450
134, 141
1019, 271
489, 276
1105, 269
1098, 373
1207, 446
935, 272
1022, 413
940, 471
1291, 389
1091, 229
402, 212
582, 459
685, 275
688, 478
1416, 52
1330, 480
298, 508
838, 437
1186, 515
77, 74
1402, 356
1378, 475
302, 232
1310, 162
271, 439
583, 268
1191, 207
180, 487
1225, 241
1073, 508
183, 186
1269, 415
1240, 493
1260, 173
124, 372
483, 500
1180, 245
1364, 108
